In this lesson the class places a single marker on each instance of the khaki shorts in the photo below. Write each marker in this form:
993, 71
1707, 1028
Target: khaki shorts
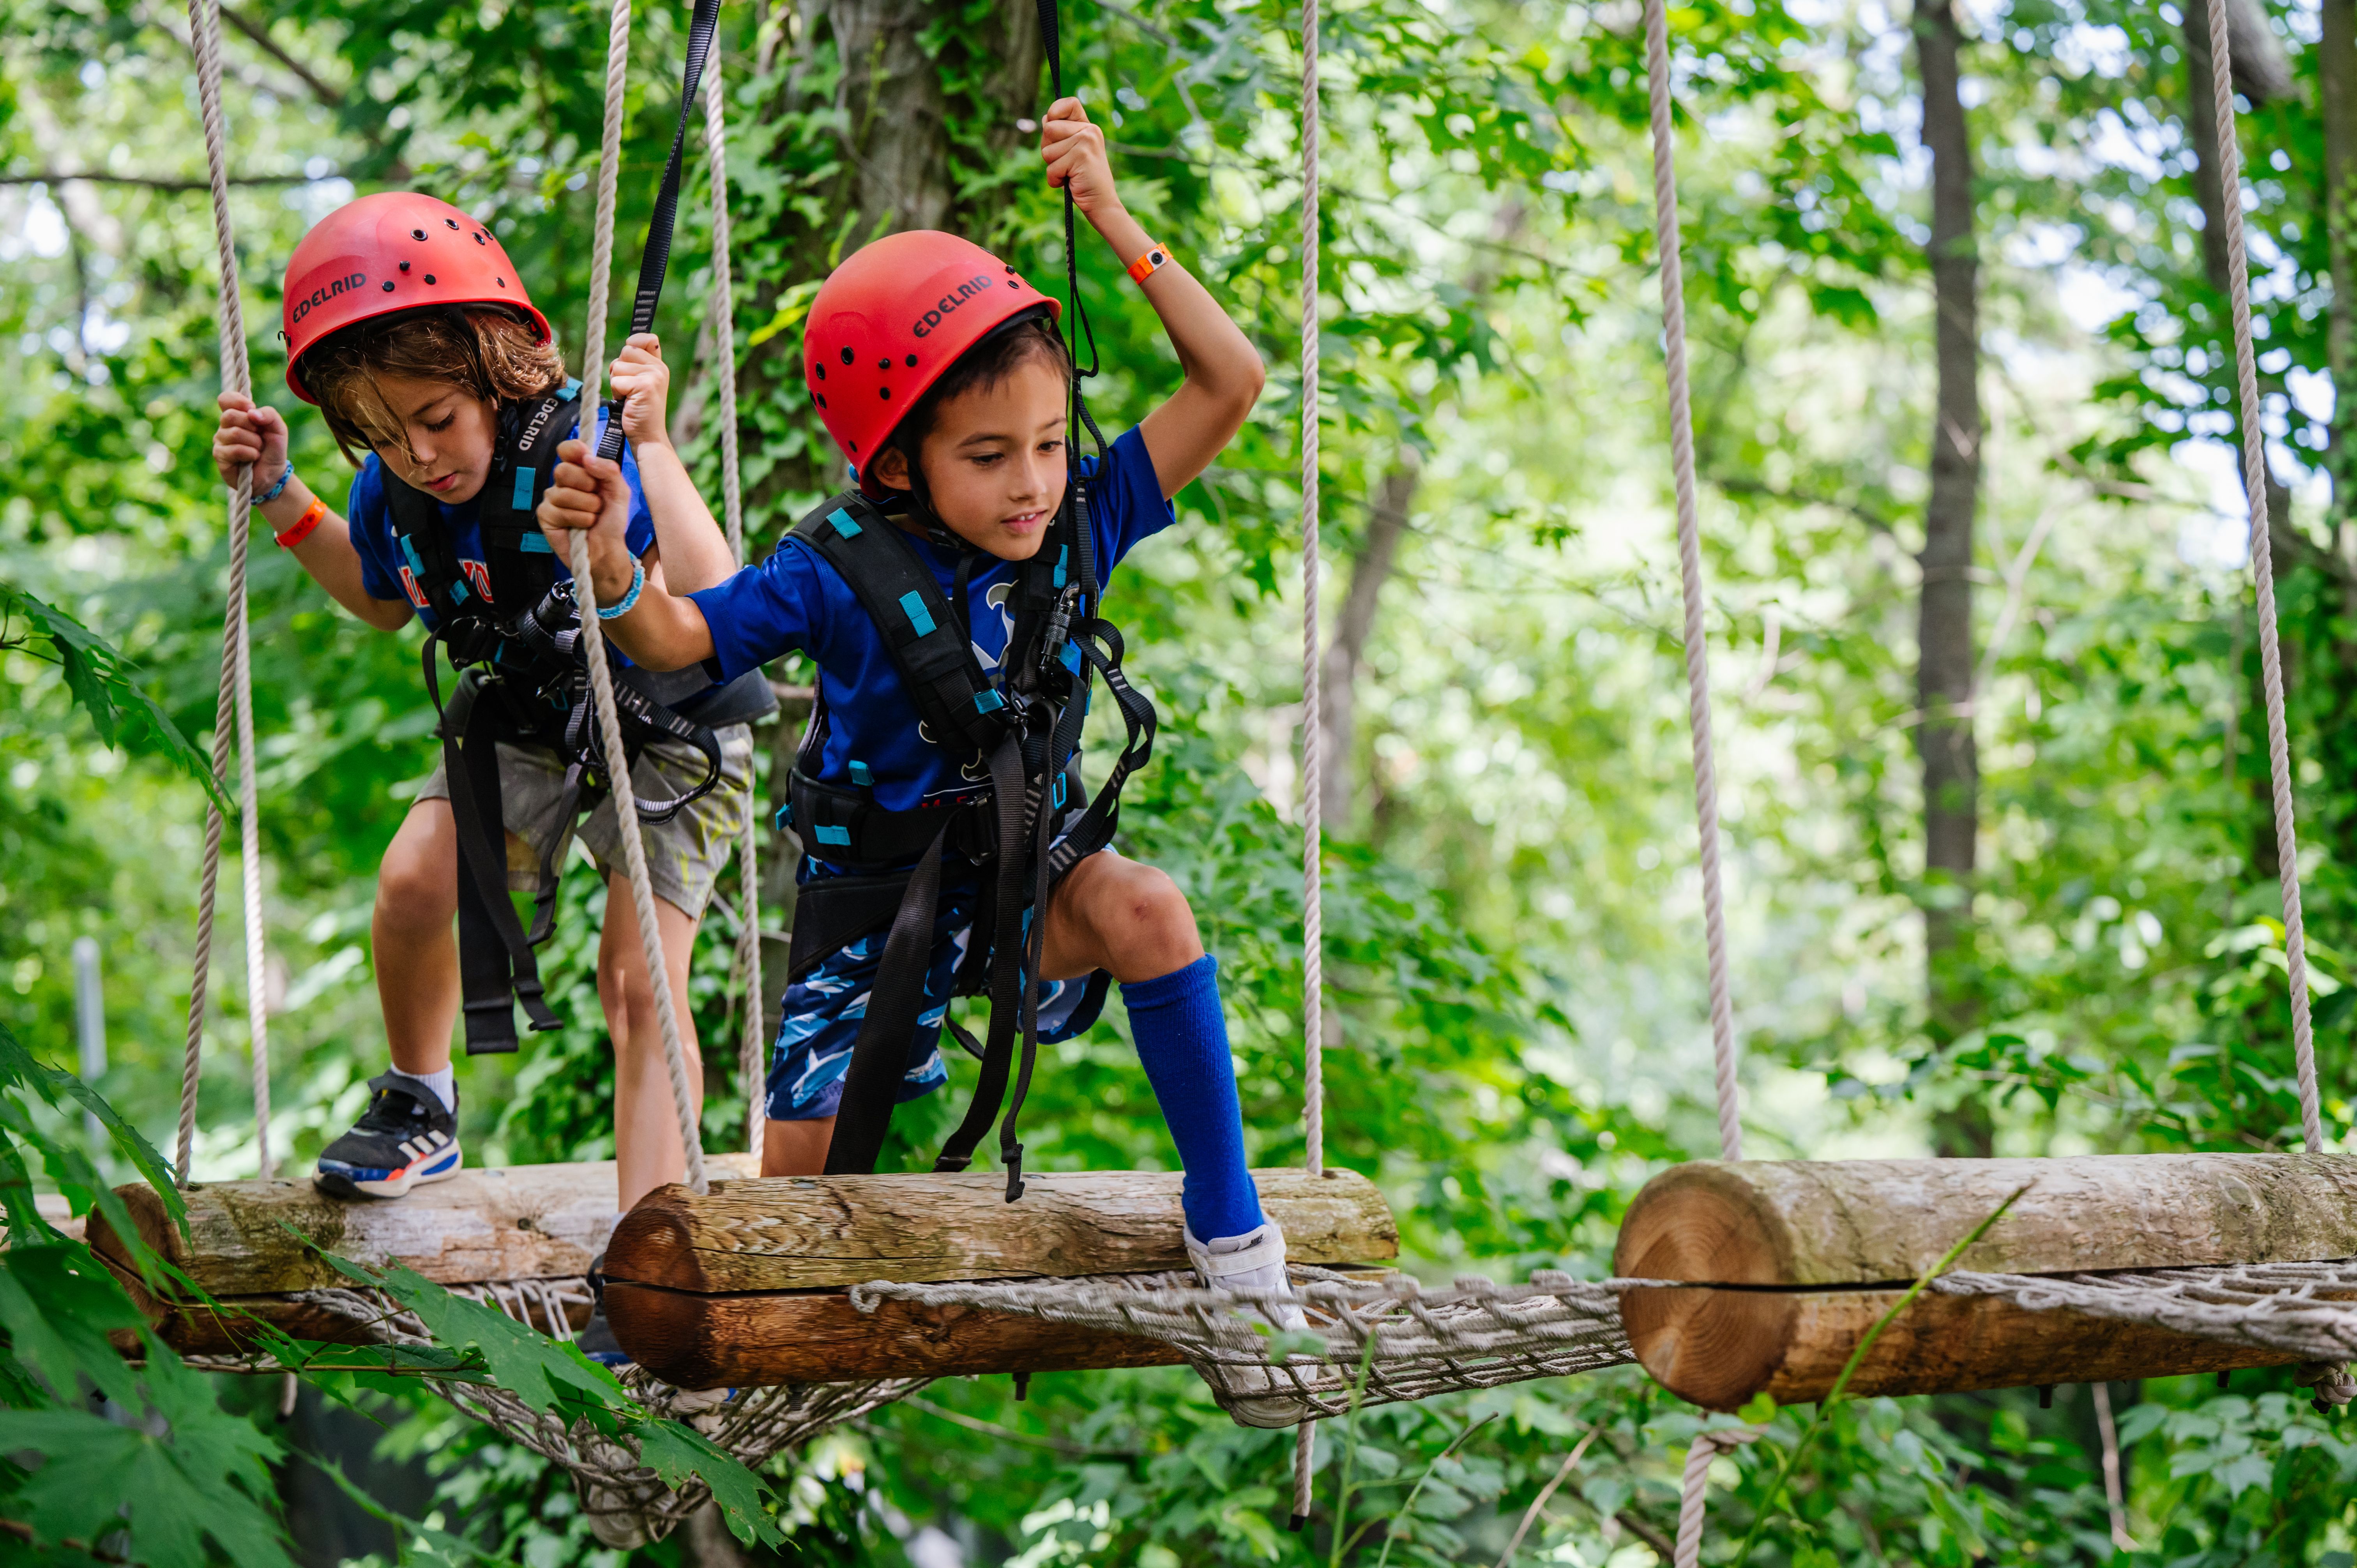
685, 855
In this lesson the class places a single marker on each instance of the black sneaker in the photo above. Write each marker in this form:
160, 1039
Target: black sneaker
402, 1138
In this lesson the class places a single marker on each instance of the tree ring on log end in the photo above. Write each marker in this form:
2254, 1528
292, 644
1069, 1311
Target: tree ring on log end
1713, 1347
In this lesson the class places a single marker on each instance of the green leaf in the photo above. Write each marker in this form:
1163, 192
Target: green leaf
203, 1480
674, 1452
57, 1305
104, 686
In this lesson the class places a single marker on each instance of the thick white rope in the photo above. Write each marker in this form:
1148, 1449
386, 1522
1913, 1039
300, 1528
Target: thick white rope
752, 1046
2255, 488
236, 702
1313, 718
1707, 1446
1313, 738
1682, 463
593, 639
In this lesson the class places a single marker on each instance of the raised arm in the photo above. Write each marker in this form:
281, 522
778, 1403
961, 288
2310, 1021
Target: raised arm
254, 436
1224, 374
662, 630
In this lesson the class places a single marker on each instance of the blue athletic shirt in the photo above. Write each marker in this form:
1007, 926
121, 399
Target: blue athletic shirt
386, 576
795, 601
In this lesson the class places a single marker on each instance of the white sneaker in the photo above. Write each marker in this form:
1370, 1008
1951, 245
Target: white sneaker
1255, 1262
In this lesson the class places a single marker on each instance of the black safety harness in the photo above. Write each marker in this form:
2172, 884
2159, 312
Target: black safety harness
516, 637
1024, 827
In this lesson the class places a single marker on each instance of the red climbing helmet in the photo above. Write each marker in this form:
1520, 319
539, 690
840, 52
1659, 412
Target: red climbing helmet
392, 251
891, 319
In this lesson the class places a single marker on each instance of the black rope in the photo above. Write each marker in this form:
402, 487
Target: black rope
656, 261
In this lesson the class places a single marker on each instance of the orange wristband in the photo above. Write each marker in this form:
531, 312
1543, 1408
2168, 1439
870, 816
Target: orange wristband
1157, 257
304, 524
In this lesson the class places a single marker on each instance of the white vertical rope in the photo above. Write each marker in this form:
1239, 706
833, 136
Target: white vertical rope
1682, 461
751, 1051
593, 639
235, 704
2254, 489
1313, 738
1694, 1496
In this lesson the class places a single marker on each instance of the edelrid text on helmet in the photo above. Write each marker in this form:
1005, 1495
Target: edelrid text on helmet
394, 252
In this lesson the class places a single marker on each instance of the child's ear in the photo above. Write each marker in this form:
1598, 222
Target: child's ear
891, 468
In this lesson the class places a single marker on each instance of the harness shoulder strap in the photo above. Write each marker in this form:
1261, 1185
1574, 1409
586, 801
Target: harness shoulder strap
522, 565
955, 699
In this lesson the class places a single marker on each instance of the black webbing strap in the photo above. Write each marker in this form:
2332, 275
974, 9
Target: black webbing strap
922, 632
656, 260
496, 967
879, 1058
1006, 962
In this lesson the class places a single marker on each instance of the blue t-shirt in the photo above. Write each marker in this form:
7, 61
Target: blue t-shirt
795, 601
386, 575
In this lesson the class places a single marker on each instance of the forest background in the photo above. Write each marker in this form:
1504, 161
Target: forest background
2000, 858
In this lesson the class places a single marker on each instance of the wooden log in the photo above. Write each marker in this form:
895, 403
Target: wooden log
1771, 1235
257, 1238
817, 1336
825, 1232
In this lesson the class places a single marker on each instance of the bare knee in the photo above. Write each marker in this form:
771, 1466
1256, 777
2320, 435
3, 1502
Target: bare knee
415, 887
1151, 927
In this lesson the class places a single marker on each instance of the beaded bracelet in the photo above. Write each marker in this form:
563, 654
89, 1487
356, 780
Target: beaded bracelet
275, 491
629, 601
303, 525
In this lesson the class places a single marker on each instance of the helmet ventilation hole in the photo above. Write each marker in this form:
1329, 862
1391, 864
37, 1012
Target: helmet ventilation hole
388, 286
417, 233
912, 361
848, 357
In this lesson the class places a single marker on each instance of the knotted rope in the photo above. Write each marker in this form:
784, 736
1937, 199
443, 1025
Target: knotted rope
593, 638
751, 1044
235, 704
1681, 465
2263, 569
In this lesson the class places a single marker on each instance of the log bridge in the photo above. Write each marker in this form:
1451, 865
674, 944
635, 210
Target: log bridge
1785, 1265
748, 1286
254, 1246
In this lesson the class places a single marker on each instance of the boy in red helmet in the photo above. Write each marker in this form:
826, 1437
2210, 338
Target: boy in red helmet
406, 324
938, 370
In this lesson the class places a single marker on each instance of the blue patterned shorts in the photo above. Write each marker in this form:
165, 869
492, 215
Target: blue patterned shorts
825, 1008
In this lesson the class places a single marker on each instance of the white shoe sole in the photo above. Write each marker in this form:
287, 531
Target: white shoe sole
396, 1184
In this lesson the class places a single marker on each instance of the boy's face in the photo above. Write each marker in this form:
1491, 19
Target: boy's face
995, 462
451, 435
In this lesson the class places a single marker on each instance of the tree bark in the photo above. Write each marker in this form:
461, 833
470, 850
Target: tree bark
1346, 655
1776, 1255
764, 1338
1945, 670
790, 1234
258, 1237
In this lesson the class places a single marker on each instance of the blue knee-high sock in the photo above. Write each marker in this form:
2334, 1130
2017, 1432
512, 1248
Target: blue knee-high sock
1182, 1040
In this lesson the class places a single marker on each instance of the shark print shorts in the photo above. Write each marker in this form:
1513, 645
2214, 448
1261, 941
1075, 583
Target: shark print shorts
825, 1008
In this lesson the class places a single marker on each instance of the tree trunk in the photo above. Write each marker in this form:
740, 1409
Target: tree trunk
1369, 569
2261, 74
1944, 671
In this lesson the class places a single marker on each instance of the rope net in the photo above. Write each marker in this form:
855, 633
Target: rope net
627, 1503
1408, 1342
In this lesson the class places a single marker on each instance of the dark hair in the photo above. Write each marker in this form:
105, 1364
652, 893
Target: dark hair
1023, 341
489, 353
